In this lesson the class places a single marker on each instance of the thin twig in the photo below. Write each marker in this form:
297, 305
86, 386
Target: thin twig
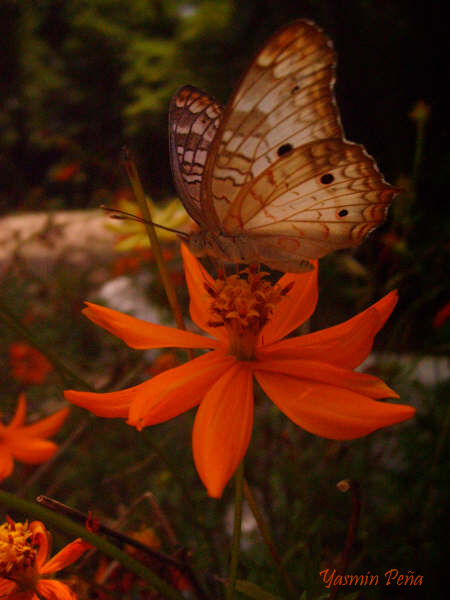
81, 517
163, 519
236, 542
264, 531
77, 515
355, 490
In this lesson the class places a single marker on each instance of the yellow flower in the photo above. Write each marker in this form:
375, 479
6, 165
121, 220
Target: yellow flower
27, 443
133, 235
310, 378
24, 564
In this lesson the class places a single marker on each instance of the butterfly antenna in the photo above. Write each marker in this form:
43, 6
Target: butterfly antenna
116, 213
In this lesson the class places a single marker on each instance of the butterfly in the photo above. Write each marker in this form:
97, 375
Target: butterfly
271, 178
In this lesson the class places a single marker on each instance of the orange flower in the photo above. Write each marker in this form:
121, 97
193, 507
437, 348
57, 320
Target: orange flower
28, 365
441, 316
130, 262
24, 551
64, 172
163, 362
28, 443
310, 378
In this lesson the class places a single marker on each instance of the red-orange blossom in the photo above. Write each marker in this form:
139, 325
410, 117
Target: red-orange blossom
310, 378
25, 567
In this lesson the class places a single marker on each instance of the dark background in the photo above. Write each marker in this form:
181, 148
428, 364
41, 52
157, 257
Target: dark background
82, 78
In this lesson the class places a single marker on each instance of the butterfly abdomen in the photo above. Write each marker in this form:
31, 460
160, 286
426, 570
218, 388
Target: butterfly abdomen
229, 249
247, 249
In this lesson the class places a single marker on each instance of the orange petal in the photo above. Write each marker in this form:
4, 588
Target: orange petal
6, 588
329, 411
40, 539
362, 383
349, 348
223, 427
112, 405
295, 308
196, 277
344, 345
46, 427
51, 589
6, 462
19, 416
31, 450
65, 557
141, 334
175, 391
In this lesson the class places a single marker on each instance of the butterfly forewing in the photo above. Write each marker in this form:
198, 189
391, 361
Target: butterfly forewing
284, 101
194, 118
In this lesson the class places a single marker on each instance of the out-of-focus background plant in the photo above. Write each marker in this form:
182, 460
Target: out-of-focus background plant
80, 80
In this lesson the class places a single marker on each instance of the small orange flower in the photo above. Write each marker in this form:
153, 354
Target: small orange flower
64, 172
27, 443
24, 551
131, 262
310, 378
441, 316
28, 365
163, 362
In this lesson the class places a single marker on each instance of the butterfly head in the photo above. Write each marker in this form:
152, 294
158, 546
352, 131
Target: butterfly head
198, 243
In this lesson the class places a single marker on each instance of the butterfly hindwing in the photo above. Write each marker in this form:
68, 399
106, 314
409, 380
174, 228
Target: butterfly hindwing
320, 197
194, 118
284, 101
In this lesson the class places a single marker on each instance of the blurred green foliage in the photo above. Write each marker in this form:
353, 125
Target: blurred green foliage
82, 78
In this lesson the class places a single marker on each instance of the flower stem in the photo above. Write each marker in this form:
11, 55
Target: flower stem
421, 124
66, 373
139, 194
265, 534
68, 526
235, 546
355, 490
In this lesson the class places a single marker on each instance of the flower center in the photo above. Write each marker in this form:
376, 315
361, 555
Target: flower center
16, 551
243, 303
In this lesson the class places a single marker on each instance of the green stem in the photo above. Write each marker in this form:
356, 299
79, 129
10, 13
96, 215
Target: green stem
68, 526
156, 249
418, 154
353, 486
265, 534
67, 373
236, 543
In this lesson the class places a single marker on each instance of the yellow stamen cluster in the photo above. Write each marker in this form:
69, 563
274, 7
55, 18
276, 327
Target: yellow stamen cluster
243, 303
16, 550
